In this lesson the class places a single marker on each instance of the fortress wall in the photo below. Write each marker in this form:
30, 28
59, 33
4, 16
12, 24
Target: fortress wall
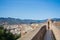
40, 34
37, 34
56, 32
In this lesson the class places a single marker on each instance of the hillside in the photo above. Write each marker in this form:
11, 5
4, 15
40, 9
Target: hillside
55, 19
18, 21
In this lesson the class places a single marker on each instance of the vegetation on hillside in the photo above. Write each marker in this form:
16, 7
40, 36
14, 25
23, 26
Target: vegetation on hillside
6, 35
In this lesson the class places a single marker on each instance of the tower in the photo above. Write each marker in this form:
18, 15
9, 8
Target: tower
49, 23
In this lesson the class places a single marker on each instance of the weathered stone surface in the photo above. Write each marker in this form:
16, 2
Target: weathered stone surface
40, 34
36, 34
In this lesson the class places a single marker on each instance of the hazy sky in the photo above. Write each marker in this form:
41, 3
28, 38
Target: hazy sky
30, 9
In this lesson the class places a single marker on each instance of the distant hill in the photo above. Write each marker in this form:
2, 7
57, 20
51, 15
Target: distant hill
18, 21
55, 19
25, 21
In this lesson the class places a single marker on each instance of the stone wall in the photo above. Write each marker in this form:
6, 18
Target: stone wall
40, 34
56, 32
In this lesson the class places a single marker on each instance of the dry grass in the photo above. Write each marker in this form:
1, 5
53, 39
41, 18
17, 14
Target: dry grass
57, 23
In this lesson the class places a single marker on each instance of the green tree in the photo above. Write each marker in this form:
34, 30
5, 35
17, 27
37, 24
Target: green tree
7, 35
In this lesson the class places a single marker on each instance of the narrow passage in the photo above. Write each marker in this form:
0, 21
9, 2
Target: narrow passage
48, 35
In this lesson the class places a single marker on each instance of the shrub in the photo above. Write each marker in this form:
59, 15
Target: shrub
7, 35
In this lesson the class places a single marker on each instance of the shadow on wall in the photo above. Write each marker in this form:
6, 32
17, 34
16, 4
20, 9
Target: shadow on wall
54, 38
40, 34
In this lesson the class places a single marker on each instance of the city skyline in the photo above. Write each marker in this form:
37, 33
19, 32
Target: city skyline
30, 9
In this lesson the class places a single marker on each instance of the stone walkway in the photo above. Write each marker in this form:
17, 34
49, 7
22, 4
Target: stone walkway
48, 35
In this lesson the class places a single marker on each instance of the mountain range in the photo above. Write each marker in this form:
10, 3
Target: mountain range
20, 21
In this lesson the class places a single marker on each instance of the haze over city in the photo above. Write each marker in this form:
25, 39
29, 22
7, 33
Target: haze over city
30, 9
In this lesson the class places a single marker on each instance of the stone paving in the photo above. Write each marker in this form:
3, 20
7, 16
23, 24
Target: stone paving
48, 35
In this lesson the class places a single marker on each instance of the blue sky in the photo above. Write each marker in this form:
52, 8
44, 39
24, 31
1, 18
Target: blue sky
30, 9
